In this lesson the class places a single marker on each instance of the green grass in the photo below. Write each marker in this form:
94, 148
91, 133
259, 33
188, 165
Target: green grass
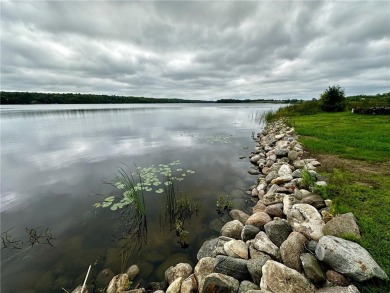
351, 136
355, 153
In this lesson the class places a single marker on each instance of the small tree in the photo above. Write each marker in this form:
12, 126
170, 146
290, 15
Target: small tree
333, 99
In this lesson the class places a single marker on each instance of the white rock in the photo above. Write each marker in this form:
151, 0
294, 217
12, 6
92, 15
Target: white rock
306, 219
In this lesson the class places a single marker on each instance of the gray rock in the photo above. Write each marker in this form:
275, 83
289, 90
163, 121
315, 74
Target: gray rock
272, 198
281, 279
338, 289
180, 270
220, 283
293, 155
341, 226
232, 229
254, 159
296, 174
208, 248
281, 153
204, 267
254, 171
255, 266
239, 215
264, 244
312, 268
271, 175
233, 267
275, 210
311, 246
348, 258
236, 248
284, 170
306, 219
258, 219
291, 249
277, 231
245, 286
249, 232
315, 200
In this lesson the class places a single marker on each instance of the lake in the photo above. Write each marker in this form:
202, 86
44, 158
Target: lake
56, 161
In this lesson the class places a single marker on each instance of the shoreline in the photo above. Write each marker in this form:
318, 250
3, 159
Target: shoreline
283, 246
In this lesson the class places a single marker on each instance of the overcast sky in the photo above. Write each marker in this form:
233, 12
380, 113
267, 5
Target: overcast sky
196, 50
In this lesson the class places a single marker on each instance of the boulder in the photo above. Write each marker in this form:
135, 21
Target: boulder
132, 272
338, 289
312, 268
220, 283
277, 231
236, 248
208, 248
258, 219
272, 198
305, 219
291, 250
288, 201
348, 258
284, 170
189, 285
249, 232
204, 267
275, 210
315, 200
341, 226
264, 244
245, 286
281, 279
232, 229
255, 266
180, 270
280, 153
259, 207
174, 287
239, 215
118, 284
271, 176
233, 267
336, 278
282, 179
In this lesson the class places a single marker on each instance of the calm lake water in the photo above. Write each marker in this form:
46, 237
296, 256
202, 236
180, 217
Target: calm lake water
55, 160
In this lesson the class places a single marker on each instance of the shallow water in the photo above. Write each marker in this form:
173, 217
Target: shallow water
55, 160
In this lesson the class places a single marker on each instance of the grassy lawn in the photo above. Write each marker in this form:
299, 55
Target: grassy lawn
355, 153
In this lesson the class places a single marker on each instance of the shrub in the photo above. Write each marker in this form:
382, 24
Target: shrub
333, 99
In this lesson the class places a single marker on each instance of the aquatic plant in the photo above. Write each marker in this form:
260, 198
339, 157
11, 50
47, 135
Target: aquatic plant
224, 204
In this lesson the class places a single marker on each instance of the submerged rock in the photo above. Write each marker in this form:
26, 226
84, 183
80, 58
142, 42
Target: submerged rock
220, 283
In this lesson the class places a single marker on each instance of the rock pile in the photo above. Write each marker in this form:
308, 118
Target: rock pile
290, 242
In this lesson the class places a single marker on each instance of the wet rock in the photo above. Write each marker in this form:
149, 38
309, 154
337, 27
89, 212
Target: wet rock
239, 215
249, 232
291, 249
280, 278
254, 159
255, 266
275, 210
132, 272
118, 284
233, 267
220, 283
348, 258
79, 289
336, 278
258, 219
174, 287
254, 171
236, 248
180, 270
305, 219
312, 268
104, 277
245, 286
208, 248
189, 285
277, 231
232, 229
341, 226
204, 267
264, 244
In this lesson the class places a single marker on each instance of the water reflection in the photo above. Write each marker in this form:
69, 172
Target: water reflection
54, 162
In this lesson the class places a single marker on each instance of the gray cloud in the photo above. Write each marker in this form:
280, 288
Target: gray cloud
196, 50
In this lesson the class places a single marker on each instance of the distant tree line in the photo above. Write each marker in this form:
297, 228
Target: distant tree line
285, 101
69, 98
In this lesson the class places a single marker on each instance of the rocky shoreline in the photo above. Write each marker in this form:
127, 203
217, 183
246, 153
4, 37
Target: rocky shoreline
290, 243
